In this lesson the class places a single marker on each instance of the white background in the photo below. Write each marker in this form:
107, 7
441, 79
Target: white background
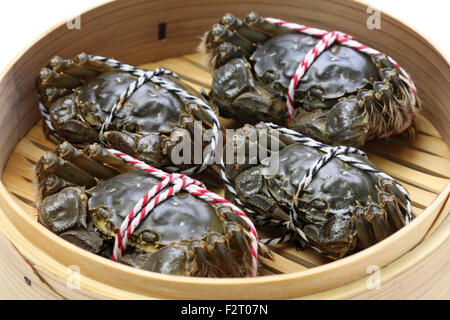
22, 21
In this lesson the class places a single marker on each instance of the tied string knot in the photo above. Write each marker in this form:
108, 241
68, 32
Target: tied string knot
162, 192
150, 200
328, 38
143, 78
330, 153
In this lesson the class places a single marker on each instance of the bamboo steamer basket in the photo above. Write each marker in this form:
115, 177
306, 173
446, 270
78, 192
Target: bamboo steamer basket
413, 262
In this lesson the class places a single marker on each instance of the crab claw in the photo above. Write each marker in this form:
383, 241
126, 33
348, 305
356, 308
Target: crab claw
85, 239
147, 148
167, 260
346, 123
64, 210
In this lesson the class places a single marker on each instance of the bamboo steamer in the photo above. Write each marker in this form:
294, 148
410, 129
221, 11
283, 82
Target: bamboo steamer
414, 261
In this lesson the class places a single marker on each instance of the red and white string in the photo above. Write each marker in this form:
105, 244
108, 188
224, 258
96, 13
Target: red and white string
328, 38
160, 193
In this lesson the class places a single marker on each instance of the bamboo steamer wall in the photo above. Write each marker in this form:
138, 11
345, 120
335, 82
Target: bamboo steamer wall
33, 261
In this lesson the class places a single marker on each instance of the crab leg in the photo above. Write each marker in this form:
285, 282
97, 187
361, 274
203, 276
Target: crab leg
51, 94
220, 33
51, 78
80, 67
243, 28
61, 75
394, 214
201, 261
256, 21
378, 218
52, 164
96, 152
73, 155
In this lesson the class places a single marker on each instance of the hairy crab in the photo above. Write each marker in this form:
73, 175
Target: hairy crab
143, 113
88, 197
323, 84
330, 198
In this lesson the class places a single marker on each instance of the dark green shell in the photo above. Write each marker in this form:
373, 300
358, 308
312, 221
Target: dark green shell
337, 183
151, 108
337, 71
178, 218
328, 201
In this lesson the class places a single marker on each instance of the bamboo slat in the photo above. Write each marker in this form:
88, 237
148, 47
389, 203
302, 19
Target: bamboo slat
423, 142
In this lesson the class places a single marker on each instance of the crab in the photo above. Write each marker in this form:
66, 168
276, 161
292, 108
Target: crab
343, 208
77, 96
345, 97
85, 195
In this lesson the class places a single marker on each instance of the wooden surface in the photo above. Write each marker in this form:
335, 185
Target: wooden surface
422, 273
421, 166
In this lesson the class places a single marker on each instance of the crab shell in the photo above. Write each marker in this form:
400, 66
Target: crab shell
344, 98
79, 94
85, 200
343, 208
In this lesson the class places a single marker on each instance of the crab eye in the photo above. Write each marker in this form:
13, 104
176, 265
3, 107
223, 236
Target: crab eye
269, 76
44, 73
228, 19
82, 57
317, 92
49, 91
218, 30
225, 48
56, 61
252, 17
